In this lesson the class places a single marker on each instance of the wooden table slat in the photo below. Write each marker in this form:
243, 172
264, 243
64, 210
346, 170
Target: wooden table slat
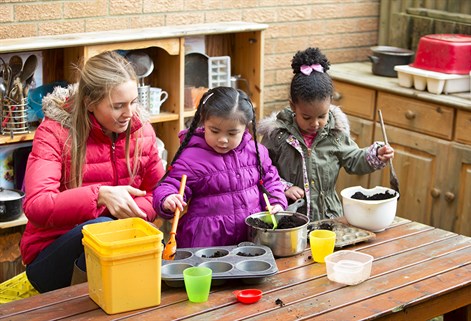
418, 271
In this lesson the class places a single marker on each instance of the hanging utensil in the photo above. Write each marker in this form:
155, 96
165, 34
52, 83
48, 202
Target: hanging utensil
28, 68
171, 247
393, 181
142, 63
273, 219
16, 65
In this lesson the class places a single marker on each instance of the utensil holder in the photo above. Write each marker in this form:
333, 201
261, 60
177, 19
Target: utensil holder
144, 96
14, 118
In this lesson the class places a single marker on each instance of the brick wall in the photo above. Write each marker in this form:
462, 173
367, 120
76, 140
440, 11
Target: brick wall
343, 29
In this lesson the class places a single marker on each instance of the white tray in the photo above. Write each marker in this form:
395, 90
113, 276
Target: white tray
433, 82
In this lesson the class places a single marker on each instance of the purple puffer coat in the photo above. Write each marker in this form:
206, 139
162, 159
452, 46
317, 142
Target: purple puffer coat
222, 190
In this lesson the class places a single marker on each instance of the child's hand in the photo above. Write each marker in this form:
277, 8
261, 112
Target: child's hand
385, 153
172, 202
276, 208
295, 193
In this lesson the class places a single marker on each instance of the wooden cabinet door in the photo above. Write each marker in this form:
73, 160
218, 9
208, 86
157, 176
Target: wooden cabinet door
455, 214
361, 131
419, 162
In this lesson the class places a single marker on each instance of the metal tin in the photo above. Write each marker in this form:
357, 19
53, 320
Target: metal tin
251, 263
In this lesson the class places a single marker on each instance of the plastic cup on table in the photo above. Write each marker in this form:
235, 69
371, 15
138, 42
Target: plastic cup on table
197, 281
322, 243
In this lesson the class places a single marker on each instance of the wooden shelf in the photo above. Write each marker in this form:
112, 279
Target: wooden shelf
189, 113
163, 117
243, 42
22, 220
6, 139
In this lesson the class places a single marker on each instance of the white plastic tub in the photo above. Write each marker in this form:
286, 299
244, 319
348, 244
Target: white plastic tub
433, 82
348, 267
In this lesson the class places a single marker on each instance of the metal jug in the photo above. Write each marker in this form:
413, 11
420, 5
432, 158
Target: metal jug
237, 80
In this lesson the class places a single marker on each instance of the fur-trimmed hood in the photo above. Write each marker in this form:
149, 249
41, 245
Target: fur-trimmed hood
56, 106
285, 118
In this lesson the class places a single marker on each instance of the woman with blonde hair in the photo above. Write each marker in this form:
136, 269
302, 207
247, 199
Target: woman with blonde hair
94, 159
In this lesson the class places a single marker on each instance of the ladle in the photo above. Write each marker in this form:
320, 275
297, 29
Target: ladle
142, 63
273, 219
16, 65
29, 68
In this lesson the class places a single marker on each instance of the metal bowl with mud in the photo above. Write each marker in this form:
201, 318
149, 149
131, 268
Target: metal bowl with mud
289, 238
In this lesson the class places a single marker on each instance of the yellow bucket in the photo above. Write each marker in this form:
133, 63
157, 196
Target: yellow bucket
124, 259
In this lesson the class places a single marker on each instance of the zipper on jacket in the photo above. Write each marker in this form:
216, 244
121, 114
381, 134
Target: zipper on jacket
113, 157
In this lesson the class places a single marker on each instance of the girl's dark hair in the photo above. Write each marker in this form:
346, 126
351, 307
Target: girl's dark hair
313, 87
228, 103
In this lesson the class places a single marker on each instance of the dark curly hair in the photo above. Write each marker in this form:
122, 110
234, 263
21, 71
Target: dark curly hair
314, 87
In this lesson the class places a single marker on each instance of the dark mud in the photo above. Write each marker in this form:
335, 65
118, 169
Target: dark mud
375, 197
286, 222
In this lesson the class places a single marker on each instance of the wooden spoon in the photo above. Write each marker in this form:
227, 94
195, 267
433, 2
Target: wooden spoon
171, 247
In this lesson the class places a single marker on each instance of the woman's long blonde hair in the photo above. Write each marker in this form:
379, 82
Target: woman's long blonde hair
99, 75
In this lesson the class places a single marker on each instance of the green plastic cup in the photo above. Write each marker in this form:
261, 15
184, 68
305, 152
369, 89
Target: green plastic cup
197, 281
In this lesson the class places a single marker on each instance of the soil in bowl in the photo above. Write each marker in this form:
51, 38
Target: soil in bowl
286, 222
375, 197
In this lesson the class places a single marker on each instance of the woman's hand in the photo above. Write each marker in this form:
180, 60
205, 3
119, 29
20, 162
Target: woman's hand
385, 153
173, 201
119, 202
294, 193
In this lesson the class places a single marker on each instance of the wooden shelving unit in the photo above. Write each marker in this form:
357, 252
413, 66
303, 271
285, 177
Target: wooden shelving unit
242, 41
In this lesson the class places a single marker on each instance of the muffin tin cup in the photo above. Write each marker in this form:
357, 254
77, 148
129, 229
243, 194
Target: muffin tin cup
251, 263
345, 234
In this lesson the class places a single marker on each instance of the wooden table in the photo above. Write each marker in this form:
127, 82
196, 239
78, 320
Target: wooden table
419, 272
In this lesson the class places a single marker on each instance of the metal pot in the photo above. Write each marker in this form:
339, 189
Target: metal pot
384, 59
282, 242
11, 204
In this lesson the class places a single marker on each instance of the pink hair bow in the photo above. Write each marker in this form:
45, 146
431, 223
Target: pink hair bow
305, 69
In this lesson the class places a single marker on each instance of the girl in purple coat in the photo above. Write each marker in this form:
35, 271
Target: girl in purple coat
227, 170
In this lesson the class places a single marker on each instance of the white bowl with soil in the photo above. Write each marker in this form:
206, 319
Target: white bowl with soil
371, 209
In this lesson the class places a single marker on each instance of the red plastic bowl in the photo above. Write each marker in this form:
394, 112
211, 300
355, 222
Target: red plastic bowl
248, 296
446, 53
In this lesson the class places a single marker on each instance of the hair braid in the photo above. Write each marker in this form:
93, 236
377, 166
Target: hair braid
194, 124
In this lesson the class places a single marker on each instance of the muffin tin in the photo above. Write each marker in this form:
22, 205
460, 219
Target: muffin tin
251, 263
345, 234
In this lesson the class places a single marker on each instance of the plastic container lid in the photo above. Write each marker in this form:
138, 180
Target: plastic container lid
446, 53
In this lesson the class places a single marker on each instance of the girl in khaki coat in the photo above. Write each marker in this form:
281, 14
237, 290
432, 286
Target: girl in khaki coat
309, 141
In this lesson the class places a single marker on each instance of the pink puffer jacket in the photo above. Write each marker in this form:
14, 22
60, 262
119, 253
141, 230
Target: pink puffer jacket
50, 207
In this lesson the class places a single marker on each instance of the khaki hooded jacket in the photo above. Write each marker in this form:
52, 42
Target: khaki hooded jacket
316, 169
